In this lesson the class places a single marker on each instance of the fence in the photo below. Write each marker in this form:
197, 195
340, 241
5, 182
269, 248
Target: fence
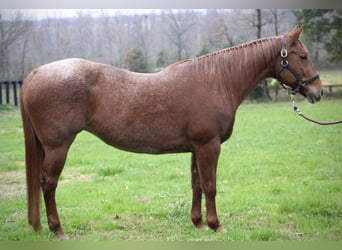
331, 86
10, 97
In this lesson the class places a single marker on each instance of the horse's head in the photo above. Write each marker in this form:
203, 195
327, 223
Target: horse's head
295, 69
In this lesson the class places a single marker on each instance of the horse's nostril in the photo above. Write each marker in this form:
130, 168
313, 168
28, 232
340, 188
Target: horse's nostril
322, 92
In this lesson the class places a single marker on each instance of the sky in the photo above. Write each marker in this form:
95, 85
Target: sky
43, 13
174, 4
61, 13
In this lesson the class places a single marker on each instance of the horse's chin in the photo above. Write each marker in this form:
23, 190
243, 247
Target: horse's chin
312, 98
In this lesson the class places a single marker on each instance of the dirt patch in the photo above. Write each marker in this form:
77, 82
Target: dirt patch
288, 230
72, 178
12, 184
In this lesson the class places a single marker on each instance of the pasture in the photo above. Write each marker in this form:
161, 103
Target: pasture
279, 178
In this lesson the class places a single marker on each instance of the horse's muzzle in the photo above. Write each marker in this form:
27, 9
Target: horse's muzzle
313, 97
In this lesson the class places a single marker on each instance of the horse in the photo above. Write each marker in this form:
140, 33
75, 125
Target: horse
189, 106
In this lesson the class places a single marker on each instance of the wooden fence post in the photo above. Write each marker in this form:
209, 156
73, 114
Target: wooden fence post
0, 93
15, 97
7, 87
7, 92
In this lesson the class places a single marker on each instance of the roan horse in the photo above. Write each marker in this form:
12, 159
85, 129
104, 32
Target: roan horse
188, 107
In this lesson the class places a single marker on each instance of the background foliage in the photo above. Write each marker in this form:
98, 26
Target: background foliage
157, 37
323, 31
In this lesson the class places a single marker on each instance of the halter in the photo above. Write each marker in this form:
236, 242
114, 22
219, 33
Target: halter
285, 65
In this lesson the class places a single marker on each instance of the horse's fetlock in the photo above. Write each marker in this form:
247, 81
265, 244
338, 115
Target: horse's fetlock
55, 227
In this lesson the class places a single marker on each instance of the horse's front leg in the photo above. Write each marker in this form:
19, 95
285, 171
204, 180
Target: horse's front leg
207, 158
196, 209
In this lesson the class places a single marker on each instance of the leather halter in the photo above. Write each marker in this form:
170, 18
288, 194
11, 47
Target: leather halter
300, 83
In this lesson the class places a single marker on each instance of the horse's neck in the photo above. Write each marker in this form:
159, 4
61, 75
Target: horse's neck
241, 68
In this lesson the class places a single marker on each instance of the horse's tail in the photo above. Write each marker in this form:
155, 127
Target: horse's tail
34, 156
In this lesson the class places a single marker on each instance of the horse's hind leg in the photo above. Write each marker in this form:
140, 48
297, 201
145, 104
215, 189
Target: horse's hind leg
53, 165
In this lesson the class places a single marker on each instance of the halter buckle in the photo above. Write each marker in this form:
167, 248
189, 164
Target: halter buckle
283, 53
284, 63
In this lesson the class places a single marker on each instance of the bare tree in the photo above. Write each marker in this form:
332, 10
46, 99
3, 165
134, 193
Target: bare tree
11, 29
257, 21
108, 28
215, 31
277, 16
23, 57
116, 37
280, 20
142, 35
85, 35
179, 25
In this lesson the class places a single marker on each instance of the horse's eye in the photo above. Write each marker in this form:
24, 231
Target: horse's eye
303, 57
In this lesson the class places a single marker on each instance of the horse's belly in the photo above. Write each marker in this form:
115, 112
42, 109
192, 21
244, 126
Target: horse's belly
144, 137
147, 144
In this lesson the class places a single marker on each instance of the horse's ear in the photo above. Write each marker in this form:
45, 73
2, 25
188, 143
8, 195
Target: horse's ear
295, 33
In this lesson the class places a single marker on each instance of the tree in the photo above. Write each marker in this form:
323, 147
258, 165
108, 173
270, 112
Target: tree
258, 21
11, 30
113, 38
179, 25
84, 35
161, 59
203, 51
323, 29
23, 58
141, 33
214, 30
277, 16
334, 45
136, 61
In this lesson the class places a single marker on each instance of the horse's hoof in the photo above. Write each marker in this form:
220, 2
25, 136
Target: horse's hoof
62, 236
203, 227
220, 229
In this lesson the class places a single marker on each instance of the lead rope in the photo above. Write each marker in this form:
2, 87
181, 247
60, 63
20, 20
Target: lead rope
297, 110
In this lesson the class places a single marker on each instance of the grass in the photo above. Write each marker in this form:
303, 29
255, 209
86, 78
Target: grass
331, 76
279, 178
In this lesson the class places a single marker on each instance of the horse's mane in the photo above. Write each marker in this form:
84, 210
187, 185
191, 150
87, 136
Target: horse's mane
238, 47
234, 63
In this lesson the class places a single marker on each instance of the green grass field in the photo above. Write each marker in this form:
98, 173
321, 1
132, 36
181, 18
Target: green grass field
331, 76
279, 178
